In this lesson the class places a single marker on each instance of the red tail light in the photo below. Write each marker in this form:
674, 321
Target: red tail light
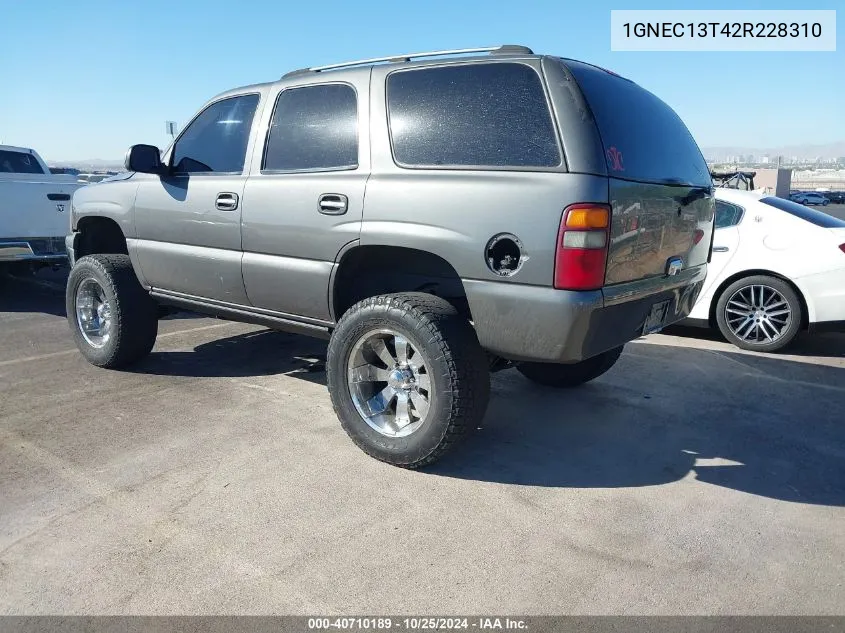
696, 237
842, 247
582, 242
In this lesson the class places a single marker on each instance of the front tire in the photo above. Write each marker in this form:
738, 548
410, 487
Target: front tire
759, 313
407, 377
113, 319
571, 375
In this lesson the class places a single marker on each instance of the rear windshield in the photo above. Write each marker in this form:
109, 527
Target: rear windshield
805, 213
18, 163
643, 138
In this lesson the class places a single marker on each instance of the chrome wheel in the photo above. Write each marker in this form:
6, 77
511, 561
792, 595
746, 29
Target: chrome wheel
93, 313
389, 383
758, 314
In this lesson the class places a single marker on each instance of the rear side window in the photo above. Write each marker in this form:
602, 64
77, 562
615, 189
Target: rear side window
313, 128
216, 140
813, 216
474, 115
19, 163
643, 138
727, 214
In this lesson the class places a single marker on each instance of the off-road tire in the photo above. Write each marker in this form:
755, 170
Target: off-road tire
457, 368
133, 312
789, 295
571, 375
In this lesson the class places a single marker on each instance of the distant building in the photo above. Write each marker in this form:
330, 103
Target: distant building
773, 181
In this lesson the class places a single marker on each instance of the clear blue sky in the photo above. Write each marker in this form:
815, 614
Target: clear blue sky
86, 79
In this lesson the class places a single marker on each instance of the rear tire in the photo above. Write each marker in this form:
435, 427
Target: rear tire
750, 322
407, 377
572, 375
114, 321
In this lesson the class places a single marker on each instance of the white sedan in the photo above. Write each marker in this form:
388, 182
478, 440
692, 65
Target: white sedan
777, 268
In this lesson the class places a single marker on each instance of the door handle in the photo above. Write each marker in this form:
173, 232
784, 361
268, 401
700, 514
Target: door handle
333, 204
720, 249
227, 201
58, 196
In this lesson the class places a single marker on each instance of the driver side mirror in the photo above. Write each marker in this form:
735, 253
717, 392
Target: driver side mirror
145, 159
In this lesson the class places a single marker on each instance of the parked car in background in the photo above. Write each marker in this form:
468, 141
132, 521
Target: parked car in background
778, 268
34, 208
479, 244
835, 197
809, 198
96, 177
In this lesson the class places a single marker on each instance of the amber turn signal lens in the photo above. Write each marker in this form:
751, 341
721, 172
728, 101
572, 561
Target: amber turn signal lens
587, 218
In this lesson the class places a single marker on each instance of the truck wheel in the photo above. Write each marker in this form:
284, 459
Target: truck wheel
407, 377
113, 319
571, 375
759, 313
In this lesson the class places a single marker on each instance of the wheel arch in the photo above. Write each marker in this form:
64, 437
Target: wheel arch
806, 307
96, 234
370, 270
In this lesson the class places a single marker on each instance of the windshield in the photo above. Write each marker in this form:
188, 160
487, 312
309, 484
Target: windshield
814, 216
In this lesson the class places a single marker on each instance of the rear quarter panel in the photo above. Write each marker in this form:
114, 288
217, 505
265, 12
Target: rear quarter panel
454, 213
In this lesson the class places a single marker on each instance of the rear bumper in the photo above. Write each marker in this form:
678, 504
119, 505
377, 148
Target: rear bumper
33, 249
541, 324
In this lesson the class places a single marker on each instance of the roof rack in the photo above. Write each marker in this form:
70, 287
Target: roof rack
504, 49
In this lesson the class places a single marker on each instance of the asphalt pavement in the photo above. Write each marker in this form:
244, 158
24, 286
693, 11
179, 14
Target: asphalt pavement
214, 478
837, 210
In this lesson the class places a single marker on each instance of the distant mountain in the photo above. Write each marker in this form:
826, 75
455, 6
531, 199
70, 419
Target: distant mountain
826, 151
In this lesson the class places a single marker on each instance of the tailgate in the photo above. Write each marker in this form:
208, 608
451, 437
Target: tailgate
652, 224
659, 184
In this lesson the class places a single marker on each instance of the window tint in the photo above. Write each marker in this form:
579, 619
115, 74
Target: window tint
727, 214
216, 140
643, 137
814, 216
315, 127
480, 114
19, 163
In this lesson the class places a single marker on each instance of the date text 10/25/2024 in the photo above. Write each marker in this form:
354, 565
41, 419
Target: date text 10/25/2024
417, 623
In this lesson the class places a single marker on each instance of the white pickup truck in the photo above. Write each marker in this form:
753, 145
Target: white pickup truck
34, 208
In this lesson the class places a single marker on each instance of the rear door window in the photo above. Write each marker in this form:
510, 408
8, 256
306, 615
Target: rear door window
19, 163
644, 140
471, 115
727, 214
813, 216
314, 128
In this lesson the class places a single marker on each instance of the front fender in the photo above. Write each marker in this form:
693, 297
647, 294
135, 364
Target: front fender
113, 199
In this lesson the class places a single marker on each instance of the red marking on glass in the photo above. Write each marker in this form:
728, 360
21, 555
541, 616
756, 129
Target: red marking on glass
615, 158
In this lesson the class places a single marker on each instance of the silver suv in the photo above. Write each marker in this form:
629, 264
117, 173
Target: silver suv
435, 219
